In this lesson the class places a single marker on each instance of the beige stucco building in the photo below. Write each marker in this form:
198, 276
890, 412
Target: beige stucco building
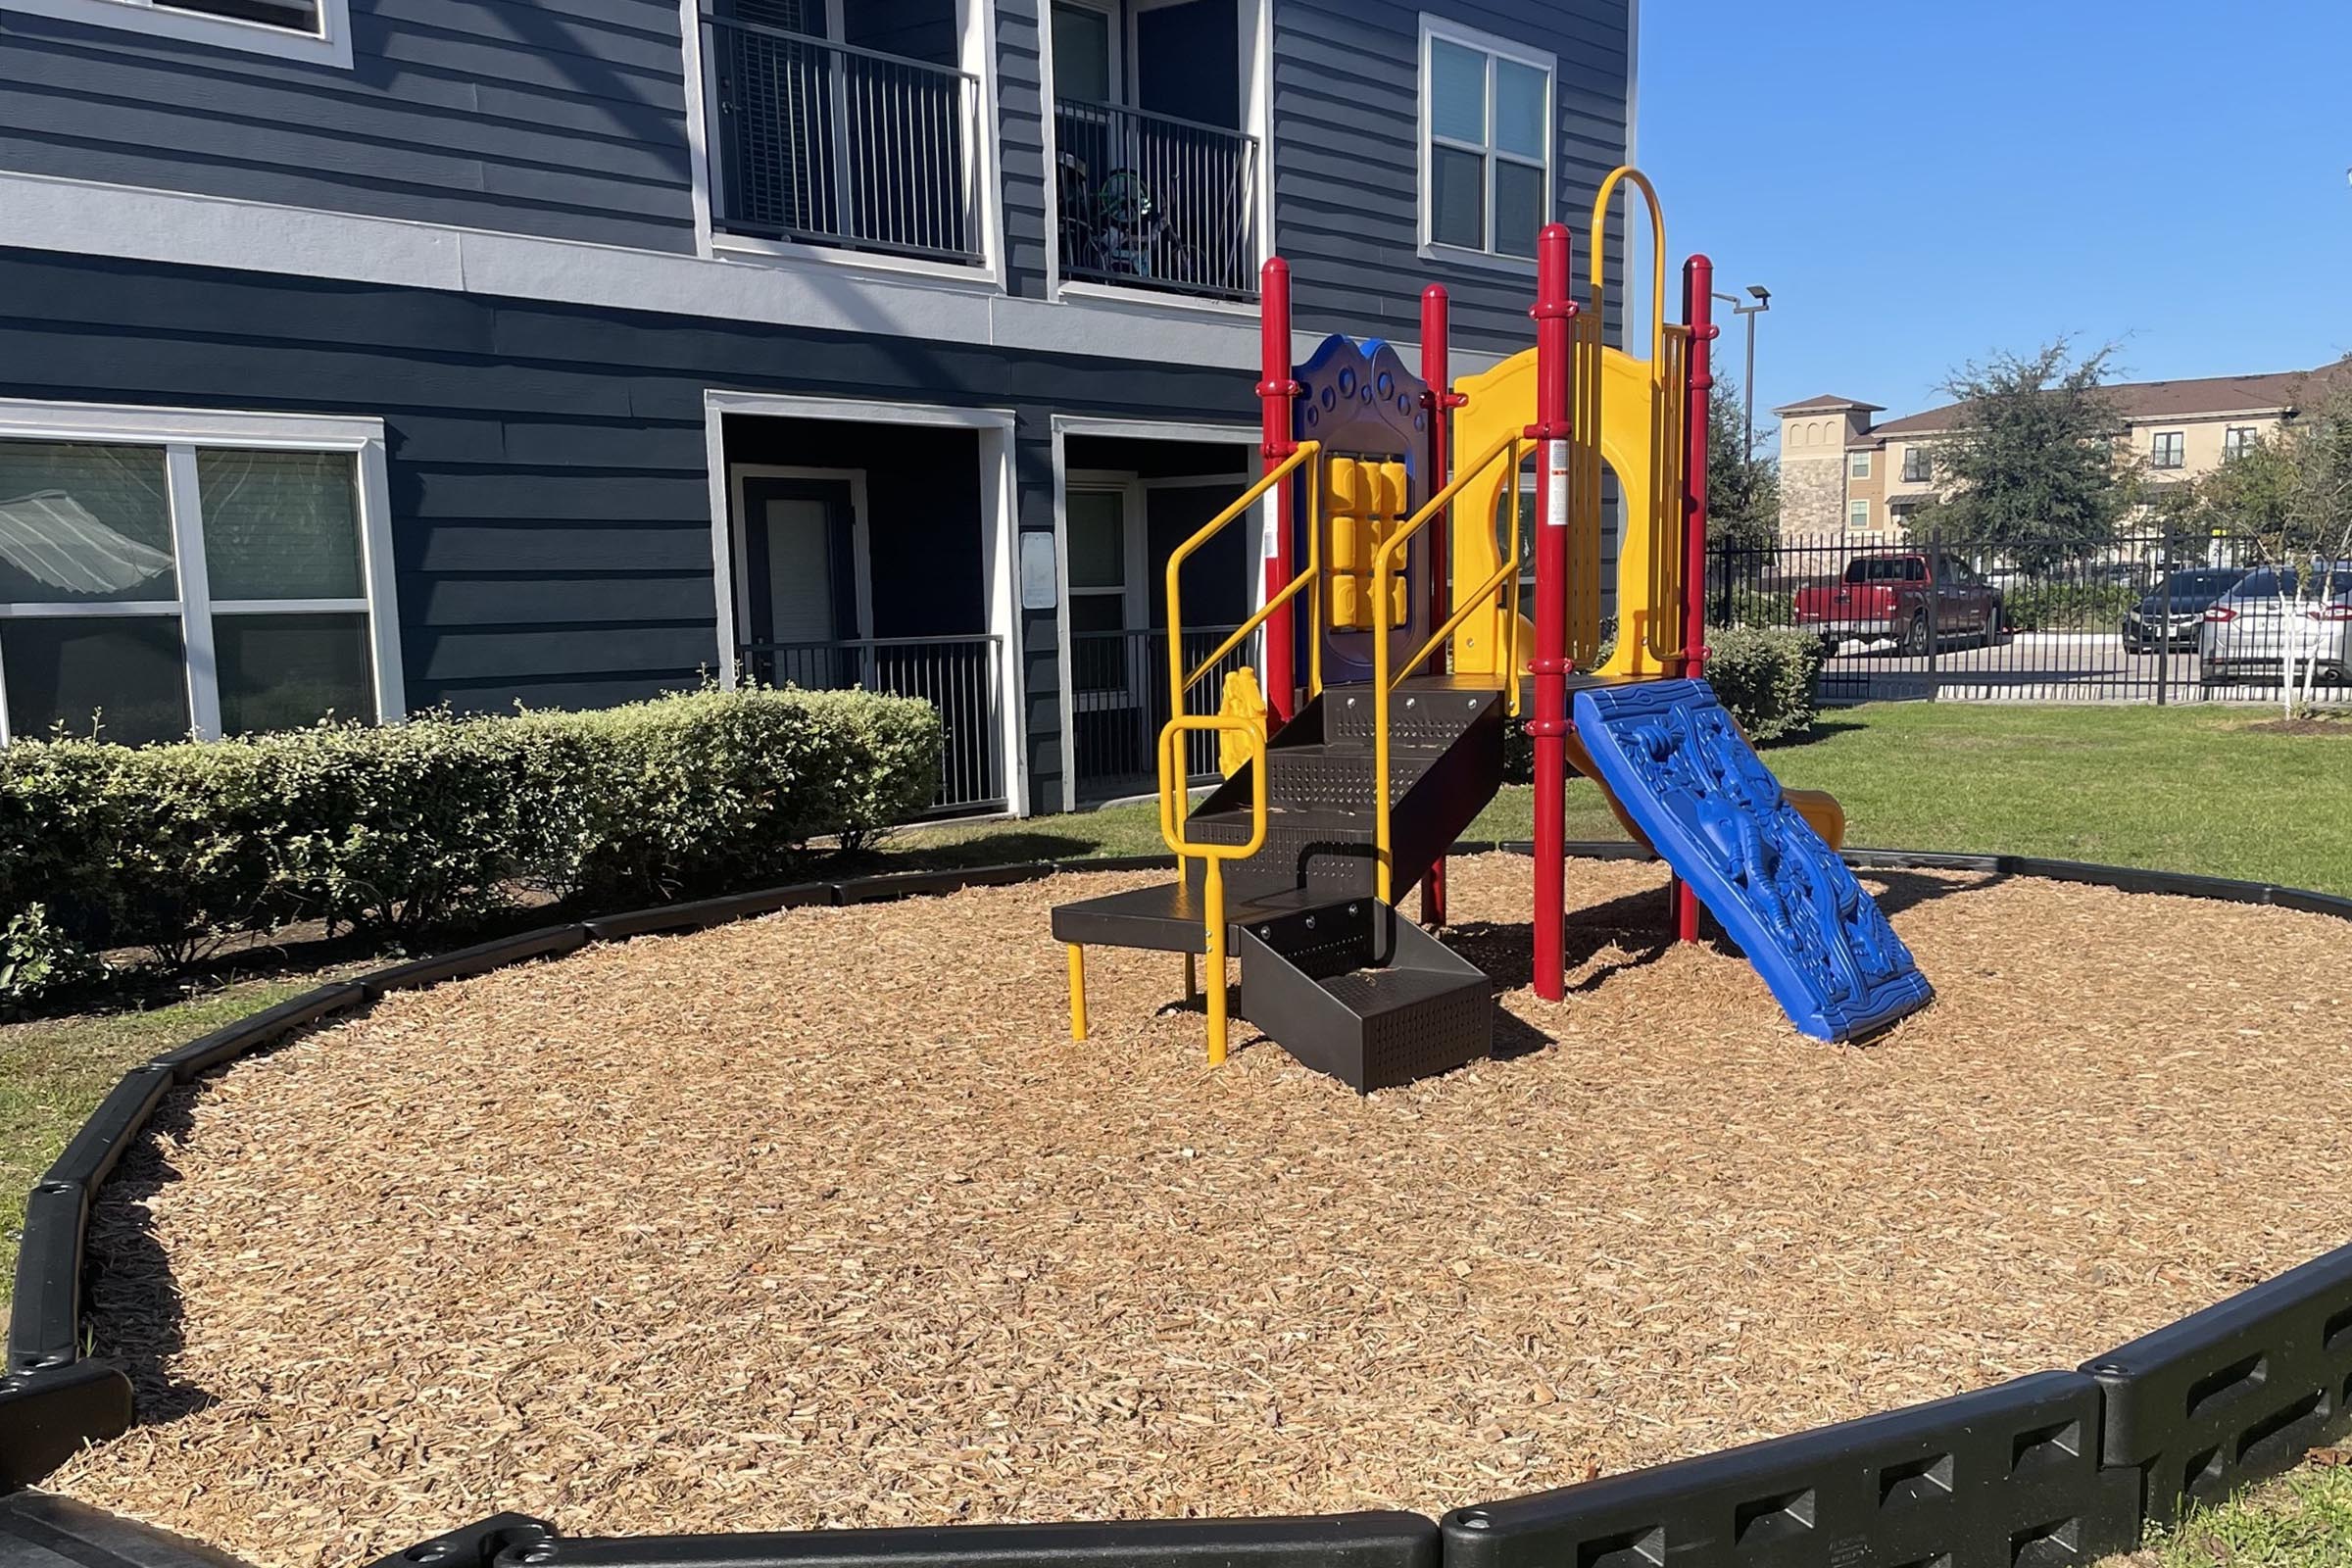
1842, 473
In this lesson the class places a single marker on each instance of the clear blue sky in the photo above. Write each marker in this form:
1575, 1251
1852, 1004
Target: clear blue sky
1921, 182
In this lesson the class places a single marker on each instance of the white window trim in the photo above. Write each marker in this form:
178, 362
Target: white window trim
976, 31
1257, 525
180, 432
1857, 465
1000, 543
1494, 47
1254, 29
330, 47
861, 573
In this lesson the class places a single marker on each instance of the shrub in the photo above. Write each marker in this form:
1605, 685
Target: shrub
694, 793
36, 959
1767, 678
2066, 606
404, 829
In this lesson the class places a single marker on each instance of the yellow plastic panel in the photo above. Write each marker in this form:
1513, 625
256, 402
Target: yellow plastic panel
1347, 602
1348, 552
1345, 487
1399, 603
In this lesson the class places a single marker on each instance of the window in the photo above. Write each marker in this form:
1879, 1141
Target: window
168, 571
1085, 66
1857, 465
2238, 440
1857, 515
1918, 467
1486, 149
2170, 450
317, 30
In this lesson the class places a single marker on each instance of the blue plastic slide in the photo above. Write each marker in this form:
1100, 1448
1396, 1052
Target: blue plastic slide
1687, 775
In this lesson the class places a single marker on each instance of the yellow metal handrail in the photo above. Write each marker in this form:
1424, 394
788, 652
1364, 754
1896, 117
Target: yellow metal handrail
1214, 856
1178, 681
1383, 568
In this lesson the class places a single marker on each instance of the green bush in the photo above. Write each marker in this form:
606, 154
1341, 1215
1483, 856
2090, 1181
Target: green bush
1749, 605
696, 793
401, 830
37, 961
1767, 679
2066, 606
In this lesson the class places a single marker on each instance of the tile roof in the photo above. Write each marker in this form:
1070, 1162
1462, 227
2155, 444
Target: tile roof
2142, 401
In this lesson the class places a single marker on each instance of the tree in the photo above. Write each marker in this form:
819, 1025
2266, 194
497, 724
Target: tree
2034, 470
2289, 501
1743, 493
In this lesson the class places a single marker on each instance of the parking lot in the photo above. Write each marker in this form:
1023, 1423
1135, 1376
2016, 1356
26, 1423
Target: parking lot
2026, 668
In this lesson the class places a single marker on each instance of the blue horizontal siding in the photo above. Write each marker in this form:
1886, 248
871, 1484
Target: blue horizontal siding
564, 119
551, 509
1347, 162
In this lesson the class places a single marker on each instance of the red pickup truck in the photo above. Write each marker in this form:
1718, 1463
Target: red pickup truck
1886, 597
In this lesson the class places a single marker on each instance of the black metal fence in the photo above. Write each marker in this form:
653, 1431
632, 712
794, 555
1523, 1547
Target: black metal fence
960, 676
1156, 201
2145, 618
1120, 705
830, 144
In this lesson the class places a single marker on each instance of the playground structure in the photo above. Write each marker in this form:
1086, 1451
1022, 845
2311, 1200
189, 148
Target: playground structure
1396, 652
1388, 703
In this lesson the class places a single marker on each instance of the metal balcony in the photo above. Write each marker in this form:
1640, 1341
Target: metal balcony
1153, 200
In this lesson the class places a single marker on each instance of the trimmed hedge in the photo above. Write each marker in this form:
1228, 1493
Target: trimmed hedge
1768, 678
398, 830
2067, 605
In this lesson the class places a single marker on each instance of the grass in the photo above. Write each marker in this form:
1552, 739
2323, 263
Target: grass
2184, 789
2302, 1520
2192, 789
54, 1071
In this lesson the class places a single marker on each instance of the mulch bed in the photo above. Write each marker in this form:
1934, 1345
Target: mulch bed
821, 1220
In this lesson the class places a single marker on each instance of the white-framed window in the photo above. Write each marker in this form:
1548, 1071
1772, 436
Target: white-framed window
1857, 464
168, 571
1486, 143
316, 30
1857, 515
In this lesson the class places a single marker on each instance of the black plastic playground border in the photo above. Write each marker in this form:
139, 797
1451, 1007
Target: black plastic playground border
2055, 1469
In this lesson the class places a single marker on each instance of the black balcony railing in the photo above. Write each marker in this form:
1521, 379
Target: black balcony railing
829, 144
1156, 202
1119, 702
960, 676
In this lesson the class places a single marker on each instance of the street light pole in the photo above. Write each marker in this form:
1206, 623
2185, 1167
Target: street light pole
1747, 385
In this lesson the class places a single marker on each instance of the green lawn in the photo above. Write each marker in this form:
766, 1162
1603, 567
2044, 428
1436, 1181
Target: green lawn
2300, 1521
54, 1071
2189, 789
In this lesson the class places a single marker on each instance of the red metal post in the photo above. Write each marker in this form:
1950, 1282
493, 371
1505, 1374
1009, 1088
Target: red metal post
1698, 309
1275, 391
1554, 314
1438, 401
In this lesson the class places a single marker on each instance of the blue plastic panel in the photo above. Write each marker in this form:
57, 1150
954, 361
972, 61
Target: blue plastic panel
1684, 774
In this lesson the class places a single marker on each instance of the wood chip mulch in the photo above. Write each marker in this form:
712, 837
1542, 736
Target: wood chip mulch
821, 1220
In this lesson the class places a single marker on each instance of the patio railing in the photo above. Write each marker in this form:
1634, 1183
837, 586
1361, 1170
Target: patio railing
1156, 202
960, 676
829, 144
1119, 704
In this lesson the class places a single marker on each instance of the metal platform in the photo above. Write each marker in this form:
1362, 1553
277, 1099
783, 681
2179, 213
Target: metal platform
39, 1529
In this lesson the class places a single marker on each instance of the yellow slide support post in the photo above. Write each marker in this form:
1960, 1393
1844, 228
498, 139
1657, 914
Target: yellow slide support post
1212, 855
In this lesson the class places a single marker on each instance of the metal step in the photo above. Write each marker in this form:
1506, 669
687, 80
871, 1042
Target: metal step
1426, 710
1354, 990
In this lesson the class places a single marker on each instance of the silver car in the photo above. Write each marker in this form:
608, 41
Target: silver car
2248, 631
